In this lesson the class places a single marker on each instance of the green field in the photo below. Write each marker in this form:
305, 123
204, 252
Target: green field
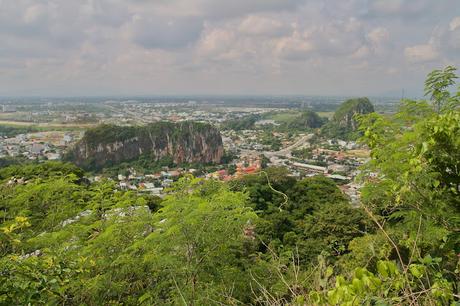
283, 117
327, 115
13, 128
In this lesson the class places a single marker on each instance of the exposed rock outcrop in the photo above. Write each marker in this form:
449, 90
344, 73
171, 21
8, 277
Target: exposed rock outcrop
185, 142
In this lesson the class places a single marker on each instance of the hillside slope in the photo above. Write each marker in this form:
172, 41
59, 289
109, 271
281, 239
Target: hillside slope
344, 124
185, 142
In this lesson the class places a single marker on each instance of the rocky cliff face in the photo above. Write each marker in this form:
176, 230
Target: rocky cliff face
185, 142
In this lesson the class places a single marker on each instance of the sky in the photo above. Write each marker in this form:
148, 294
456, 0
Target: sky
224, 47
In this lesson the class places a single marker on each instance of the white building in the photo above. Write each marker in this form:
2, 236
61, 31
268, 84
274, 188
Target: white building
8, 108
314, 168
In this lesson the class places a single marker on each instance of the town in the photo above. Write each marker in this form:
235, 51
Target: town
45, 131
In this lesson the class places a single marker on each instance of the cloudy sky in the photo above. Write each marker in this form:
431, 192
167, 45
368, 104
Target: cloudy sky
154, 47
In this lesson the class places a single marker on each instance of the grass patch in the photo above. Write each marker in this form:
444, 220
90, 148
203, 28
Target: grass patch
327, 115
283, 117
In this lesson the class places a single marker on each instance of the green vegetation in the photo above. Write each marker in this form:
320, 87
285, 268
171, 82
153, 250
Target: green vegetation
269, 139
304, 153
414, 201
264, 239
8, 161
307, 120
148, 164
47, 126
288, 121
296, 121
281, 117
308, 218
145, 163
11, 130
40, 170
244, 123
327, 115
356, 105
149, 147
110, 133
344, 124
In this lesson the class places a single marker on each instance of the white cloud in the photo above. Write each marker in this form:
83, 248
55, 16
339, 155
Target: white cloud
421, 53
298, 46
217, 41
220, 45
449, 39
361, 53
378, 36
260, 25
454, 24
232, 8
407, 9
338, 37
164, 32
34, 13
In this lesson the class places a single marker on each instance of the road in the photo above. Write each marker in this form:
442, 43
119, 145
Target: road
46, 124
287, 152
125, 112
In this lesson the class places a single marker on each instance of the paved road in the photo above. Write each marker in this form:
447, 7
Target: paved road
125, 112
287, 152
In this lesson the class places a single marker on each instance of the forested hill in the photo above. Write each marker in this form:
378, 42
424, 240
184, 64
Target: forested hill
307, 120
344, 124
185, 142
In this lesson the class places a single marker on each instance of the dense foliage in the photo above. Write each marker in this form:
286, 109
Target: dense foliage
309, 217
67, 241
152, 145
244, 123
9, 160
11, 131
344, 124
110, 133
411, 193
307, 120
269, 139
264, 239
284, 122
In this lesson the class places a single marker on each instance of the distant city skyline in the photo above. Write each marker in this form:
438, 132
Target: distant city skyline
220, 47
